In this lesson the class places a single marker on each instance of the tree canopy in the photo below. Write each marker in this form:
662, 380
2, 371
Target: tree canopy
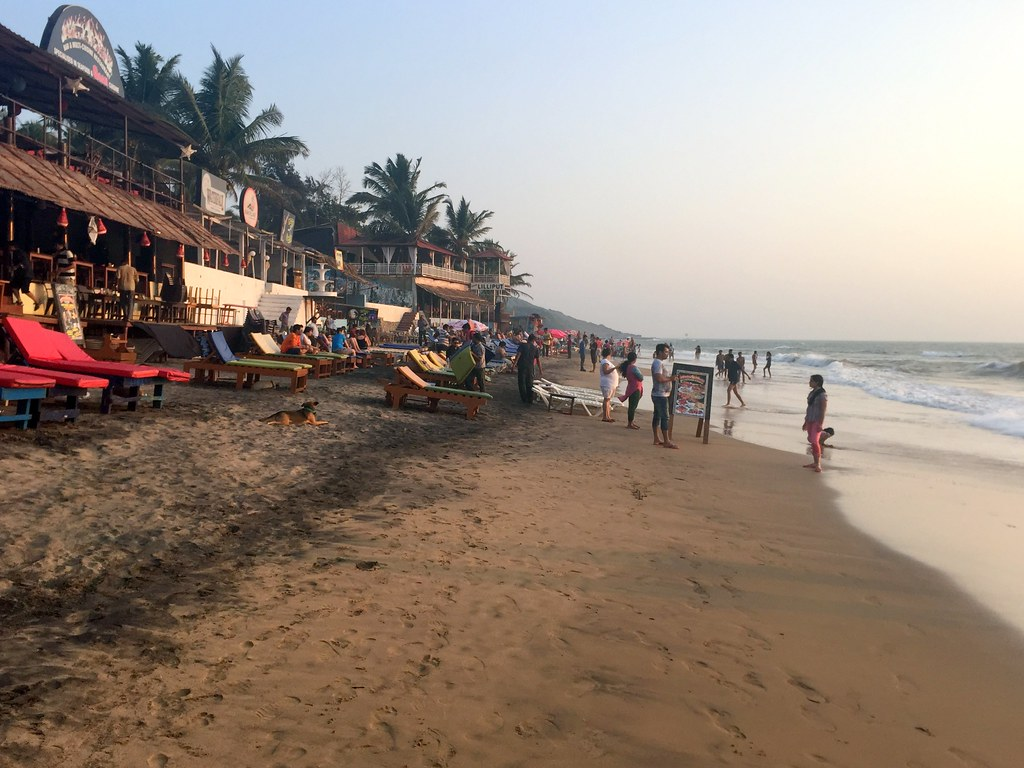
243, 148
394, 205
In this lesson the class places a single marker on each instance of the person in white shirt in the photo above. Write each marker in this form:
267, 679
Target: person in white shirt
660, 394
609, 382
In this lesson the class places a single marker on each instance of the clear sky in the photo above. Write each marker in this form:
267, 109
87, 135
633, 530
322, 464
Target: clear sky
719, 169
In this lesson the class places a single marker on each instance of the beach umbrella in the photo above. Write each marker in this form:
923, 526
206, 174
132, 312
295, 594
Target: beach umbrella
474, 325
557, 334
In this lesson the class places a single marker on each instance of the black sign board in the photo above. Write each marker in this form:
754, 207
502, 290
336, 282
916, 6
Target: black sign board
74, 36
691, 395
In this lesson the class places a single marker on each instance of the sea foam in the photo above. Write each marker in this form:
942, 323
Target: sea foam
1003, 413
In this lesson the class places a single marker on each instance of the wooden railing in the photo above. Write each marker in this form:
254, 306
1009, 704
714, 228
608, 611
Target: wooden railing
419, 270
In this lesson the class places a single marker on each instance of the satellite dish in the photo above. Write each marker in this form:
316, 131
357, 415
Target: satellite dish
351, 314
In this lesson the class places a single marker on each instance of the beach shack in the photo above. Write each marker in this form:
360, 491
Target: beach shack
90, 181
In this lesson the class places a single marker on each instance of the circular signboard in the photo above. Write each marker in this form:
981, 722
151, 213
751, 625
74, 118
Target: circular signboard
250, 207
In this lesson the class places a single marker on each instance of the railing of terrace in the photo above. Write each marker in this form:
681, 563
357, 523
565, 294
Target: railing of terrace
419, 270
65, 144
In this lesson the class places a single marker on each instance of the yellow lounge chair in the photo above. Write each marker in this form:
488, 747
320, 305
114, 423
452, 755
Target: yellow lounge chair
408, 384
451, 375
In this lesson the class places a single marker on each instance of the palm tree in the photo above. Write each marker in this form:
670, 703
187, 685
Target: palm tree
217, 118
517, 280
464, 229
394, 207
149, 80
152, 83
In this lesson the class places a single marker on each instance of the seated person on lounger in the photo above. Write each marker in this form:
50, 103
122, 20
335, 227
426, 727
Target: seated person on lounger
295, 343
339, 342
359, 341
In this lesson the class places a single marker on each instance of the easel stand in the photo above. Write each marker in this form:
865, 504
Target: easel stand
691, 396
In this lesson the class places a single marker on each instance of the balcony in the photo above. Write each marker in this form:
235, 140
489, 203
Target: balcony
419, 270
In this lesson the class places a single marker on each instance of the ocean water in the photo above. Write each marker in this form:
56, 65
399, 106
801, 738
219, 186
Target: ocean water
928, 455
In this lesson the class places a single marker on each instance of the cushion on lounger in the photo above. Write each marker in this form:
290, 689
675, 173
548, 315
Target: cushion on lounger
462, 364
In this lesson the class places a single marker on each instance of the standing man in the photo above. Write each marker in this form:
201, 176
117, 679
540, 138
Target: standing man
660, 393
526, 358
583, 349
476, 348
743, 366
696, 353
284, 321
422, 324
814, 419
734, 371
549, 342
127, 279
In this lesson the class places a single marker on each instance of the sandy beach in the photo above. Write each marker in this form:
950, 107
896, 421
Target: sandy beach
190, 587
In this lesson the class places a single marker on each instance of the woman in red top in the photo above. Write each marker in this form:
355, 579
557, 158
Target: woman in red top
634, 387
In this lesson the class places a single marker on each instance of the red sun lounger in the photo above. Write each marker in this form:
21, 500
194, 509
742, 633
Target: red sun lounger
69, 386
25, 392
55, 351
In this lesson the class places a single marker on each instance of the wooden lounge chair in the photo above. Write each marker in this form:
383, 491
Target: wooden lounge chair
25, 392
408, 384
324, 363
56, 351
451, 375
67, 387
245, 372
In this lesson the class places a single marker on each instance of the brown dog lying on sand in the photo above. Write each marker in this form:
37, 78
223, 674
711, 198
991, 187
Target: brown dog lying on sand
305, 415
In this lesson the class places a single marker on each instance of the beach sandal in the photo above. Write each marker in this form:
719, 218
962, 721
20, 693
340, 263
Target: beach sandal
608, 420
670, 445
632, 426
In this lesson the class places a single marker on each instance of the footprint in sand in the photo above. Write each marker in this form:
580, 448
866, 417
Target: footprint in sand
699, 589
159, 760
434, 743
810, 692
723, 720
905, 685
378, 725
752, 678
289, 752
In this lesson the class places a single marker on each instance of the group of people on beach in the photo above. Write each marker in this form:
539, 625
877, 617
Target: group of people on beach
321, 335
661, 389
728, 364
733, 367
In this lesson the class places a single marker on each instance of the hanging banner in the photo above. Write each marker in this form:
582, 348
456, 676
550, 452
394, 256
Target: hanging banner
691, 395
74, 36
